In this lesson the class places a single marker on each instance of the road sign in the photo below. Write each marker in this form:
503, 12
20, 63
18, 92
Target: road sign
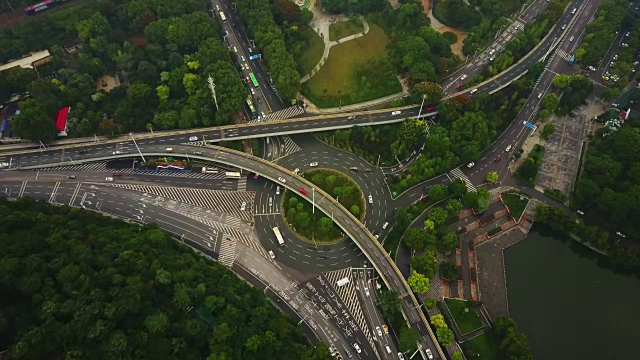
253, 57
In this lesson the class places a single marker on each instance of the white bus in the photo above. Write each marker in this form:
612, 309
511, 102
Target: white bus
222, 17
278, 235
232, 175
209, 170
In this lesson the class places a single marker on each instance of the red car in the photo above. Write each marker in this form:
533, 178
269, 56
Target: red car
255, 176
431, 108
498, 159
248, 80
303, 191
459, 86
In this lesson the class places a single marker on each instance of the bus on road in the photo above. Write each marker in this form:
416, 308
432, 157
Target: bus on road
253, 80
250, 104
222, 17
278, 235
232, 175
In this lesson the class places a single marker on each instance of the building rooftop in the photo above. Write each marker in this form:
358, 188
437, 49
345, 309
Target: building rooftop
27, 61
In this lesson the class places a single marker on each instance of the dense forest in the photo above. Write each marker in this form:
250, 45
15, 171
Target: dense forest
161, 52
78, 285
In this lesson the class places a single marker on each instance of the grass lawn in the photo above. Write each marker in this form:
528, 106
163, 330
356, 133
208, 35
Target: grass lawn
355, 71
515, 202
345, 28
466, 321
312, 54
481, 348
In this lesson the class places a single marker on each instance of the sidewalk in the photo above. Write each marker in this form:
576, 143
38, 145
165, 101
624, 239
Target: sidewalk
313, 109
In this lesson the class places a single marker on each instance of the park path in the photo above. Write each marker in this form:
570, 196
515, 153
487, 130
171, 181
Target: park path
320, 24
441, 28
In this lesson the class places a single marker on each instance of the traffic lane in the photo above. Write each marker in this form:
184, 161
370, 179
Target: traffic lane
419, 191
333, 307
306, 256
375, 324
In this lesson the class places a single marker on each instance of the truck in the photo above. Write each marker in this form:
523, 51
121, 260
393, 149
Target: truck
343, 282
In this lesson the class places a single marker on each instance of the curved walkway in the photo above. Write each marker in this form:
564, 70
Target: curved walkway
321, 23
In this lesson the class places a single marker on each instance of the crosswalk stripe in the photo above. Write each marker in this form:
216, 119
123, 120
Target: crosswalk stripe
102, 167
282, 114
457, 173
227, 251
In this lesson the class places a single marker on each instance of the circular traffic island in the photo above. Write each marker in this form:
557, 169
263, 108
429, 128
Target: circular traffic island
318, 227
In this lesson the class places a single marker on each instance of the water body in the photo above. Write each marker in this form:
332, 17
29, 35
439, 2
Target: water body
569, 302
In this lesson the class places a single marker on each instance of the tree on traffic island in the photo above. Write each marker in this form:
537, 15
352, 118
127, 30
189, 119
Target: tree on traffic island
445, 336
492, 177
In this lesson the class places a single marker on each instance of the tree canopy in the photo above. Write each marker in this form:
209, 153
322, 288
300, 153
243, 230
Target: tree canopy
77, 285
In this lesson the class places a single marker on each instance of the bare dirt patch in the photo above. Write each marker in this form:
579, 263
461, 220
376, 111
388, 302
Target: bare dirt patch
106, 83
441, 28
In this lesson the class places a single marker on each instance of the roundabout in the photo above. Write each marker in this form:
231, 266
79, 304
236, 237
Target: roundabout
314, 226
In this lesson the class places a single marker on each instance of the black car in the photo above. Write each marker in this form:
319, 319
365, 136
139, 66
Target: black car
71, 177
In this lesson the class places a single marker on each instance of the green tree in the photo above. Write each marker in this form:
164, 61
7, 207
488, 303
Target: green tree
454, 207
457, 355
34, 123
492, 177
408, 338
355, 210
513, 343
547, 130
449, 270
445, 336
561, 81
438, 216
550, 102
317, 352
457, 188
438, 192
419, 239
418, 282
431, 92
326, 224
425, 264
449, 242
438, 321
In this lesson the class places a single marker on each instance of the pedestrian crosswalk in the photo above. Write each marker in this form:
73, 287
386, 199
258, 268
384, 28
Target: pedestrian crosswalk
242, 184
227, 253
226, 202
102, 167
457, 173
290, 146
564, 55
242, 235
281, 114
348, 296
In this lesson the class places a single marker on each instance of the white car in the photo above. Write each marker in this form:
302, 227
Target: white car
110, 179
235, 49
366, 291
384, 226
357, 347
271, 254
4, 165
397, 112
282, 180
571, 38
377, 236
242, 57
193, 138
463, 77
370, 199
508, 148
473, 91
313, 164
492, 51
278, 190
117, 152
253, 92
564, 26
471, 164
379, 331
429, 354
615, 57
540, 95
401, 356
592, 68
243, 206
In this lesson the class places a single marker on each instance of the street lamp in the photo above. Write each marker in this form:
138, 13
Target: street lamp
136, 144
